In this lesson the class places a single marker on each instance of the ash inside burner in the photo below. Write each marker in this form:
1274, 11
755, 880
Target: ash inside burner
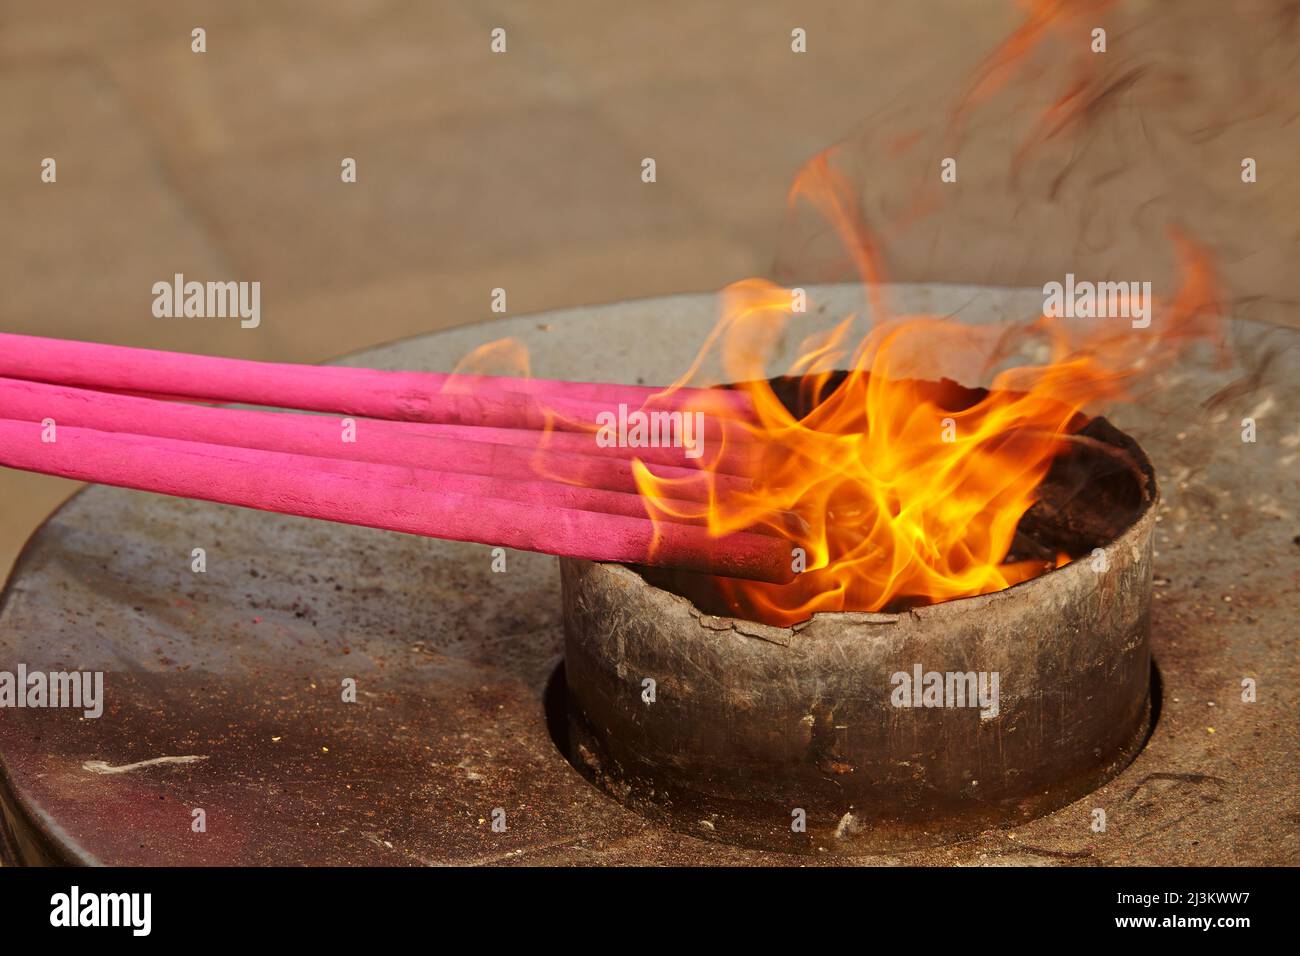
1093, 491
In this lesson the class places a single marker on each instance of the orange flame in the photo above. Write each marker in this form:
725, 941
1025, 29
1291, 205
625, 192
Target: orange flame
893, 487
910, 493
906, 491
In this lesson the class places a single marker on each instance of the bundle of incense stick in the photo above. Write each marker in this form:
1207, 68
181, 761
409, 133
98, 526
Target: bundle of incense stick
494, 460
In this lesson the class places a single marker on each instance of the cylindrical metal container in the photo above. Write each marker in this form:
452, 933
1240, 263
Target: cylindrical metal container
806, 739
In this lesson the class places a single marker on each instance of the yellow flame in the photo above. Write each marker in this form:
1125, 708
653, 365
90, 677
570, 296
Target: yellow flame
909, 490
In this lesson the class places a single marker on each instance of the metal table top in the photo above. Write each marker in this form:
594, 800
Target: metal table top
224, 689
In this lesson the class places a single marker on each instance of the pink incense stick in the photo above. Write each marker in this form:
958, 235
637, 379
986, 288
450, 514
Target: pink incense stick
406, 443
375, 441
290, 484
403, 396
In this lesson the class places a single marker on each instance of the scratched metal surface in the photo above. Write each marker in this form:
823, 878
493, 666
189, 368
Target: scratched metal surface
224, 689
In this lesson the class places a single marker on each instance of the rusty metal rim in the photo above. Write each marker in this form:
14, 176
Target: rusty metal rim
678, 768
954, 606
27, 836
